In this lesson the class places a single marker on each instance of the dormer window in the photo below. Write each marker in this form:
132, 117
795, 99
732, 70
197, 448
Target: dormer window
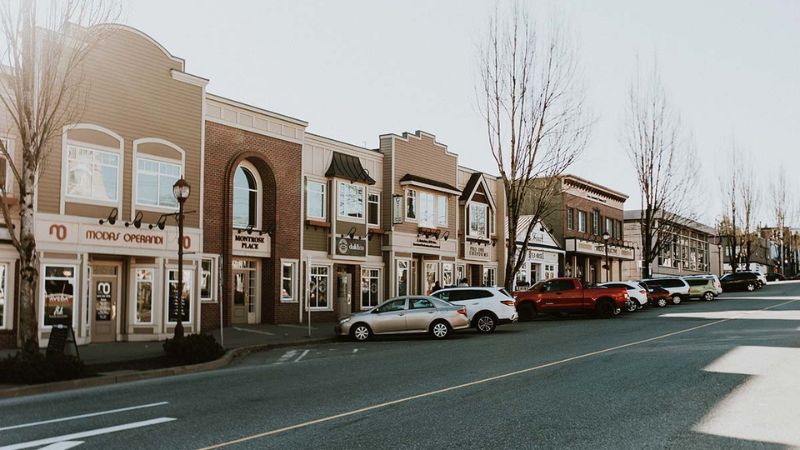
478, 220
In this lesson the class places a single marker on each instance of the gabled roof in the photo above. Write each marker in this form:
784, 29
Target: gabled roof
348, 167
414, 179
474, 181
548, 241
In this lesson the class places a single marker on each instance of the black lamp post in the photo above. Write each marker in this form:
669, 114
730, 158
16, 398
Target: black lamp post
606, 238
181, 190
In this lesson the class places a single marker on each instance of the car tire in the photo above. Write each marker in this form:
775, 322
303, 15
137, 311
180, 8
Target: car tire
605, 309
708, 296
750, 287
485, 323
440, 329
676, 299
360, 332
632, 306
526, 312
640, 305
661, 302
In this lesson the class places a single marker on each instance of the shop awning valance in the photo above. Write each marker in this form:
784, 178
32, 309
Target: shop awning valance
348, 167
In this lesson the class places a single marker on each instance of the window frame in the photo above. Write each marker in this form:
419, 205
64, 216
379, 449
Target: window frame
409, 281
328, 275
259, 189
486, 271
135, 297
293, 263
159, 161
582, 224
214, 274
377, 202
426, 209
74, 198
571, 218
442, 200
339, 191
596, 222
7, 293
324, 192
377, 295
407, 195
76, 291
492, 218
474, 233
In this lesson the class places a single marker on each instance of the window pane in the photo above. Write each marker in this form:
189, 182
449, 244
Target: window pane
59, 290
316, 200
373, 210
205, 279
287, 281
165, 195
411, 204
351, 200
146, 188
144, 295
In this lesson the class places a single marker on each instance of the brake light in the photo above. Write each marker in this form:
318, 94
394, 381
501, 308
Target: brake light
643, 291
507, 302
463, 311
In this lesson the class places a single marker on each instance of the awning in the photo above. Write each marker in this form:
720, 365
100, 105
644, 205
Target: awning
429, 184
348, 167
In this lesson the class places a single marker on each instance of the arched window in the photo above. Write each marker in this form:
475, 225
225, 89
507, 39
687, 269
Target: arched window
246, 197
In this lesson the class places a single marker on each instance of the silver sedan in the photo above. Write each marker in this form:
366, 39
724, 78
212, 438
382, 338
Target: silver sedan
408, 314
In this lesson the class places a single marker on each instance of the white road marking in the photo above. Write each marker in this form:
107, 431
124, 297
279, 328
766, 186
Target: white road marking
286, 356
755, 315
355, 350
301, 356
766, 407
65, 445
83, 416
248, 330
90, 433
464, 385
773, 297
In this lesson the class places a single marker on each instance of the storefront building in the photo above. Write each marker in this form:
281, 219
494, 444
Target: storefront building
542, 255
253, 208
478, 235
106, 243
342, 261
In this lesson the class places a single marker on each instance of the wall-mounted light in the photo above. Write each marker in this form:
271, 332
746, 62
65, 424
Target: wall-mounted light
446, 235
137, 220
162, 222
436, 234
112, 217
369, 236
351, 232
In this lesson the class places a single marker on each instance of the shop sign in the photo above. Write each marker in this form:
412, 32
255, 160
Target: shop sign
114, 236
599, 249
476, 250
535, 255
397, 209
57, 308
102, 308
172, 307
254, 245
426, 242
346, 246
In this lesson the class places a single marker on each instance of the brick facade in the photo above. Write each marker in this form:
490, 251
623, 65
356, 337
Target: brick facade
279, 166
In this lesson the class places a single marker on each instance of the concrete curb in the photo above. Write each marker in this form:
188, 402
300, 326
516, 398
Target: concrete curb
103, 380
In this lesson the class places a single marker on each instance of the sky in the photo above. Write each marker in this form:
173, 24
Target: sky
357, 69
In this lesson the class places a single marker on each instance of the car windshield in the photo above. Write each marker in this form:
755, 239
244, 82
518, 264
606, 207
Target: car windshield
537, 287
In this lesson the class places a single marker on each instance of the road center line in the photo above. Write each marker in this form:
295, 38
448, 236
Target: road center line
469, 384
85, 434
83, 416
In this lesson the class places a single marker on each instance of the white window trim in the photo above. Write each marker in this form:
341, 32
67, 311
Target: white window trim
192, 294
65, 143
345, 218
469, 219
135, 175
154, 290
214, 278
8, 306
295, 264
328, 292
324, 199
76, 295
259, 193
491, 217
377, 194
409, 280
416, 205
379, 294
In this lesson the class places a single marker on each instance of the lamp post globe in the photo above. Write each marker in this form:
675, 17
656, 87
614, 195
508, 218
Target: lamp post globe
181, 189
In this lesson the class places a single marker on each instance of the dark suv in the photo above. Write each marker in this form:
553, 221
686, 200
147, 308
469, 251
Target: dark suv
740, 281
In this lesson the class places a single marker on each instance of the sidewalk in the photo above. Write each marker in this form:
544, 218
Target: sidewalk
233, 337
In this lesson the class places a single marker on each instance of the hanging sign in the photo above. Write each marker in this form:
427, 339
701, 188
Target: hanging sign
346, 246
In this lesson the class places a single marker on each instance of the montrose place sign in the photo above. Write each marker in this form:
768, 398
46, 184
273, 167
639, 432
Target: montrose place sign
255, 244
63, 232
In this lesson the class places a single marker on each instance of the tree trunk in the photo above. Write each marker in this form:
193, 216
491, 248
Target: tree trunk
29, 272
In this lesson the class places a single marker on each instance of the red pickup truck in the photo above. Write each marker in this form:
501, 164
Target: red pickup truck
569, 295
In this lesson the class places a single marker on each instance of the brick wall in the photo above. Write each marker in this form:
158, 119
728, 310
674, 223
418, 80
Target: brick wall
279, 166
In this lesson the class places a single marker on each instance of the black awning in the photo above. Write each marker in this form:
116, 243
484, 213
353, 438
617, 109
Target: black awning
408, 178
348, 167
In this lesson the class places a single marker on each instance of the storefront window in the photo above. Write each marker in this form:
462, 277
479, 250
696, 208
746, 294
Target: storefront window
92, 174
489, 276
207, 280
288, 273
186, 296
3, 295
373, 209
318, 289
477, 220
402, 278
521, 279
370, 288
430, 277
441, 211
144, 296
447, 275
351, 201
316, 200
59, 294
154, 180
461, 275
411, 204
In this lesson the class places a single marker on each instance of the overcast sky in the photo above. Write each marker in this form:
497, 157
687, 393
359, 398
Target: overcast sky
358, 69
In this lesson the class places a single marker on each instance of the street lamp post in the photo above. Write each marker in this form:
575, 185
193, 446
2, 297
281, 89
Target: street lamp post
181, 190
606, 237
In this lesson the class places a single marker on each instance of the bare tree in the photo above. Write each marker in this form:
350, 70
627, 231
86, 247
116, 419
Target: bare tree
533, 107
729, 227
662, 154
41, 91
780, 206
749, 198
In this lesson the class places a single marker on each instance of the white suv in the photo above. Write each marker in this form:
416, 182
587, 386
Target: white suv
635, 292
487, 307
678, 288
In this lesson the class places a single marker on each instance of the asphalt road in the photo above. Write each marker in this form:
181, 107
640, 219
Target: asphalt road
686, 376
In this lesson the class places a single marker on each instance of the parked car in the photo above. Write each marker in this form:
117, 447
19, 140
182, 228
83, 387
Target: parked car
717, 284
559, 295
775, 277
656, 295
678, 288
762, 279
740, 281
702, 288
638, 294
410, 314
487, 307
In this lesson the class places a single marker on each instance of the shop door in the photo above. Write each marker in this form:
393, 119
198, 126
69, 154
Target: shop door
104, 295
243, 297
344, 294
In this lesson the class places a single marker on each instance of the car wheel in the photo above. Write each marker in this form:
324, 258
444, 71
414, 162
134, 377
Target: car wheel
527, 312
639, 305
605, 309
708, 296
632, 306
676, 299
360, 332
662, 302
440, 329
485, 323
751, 287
